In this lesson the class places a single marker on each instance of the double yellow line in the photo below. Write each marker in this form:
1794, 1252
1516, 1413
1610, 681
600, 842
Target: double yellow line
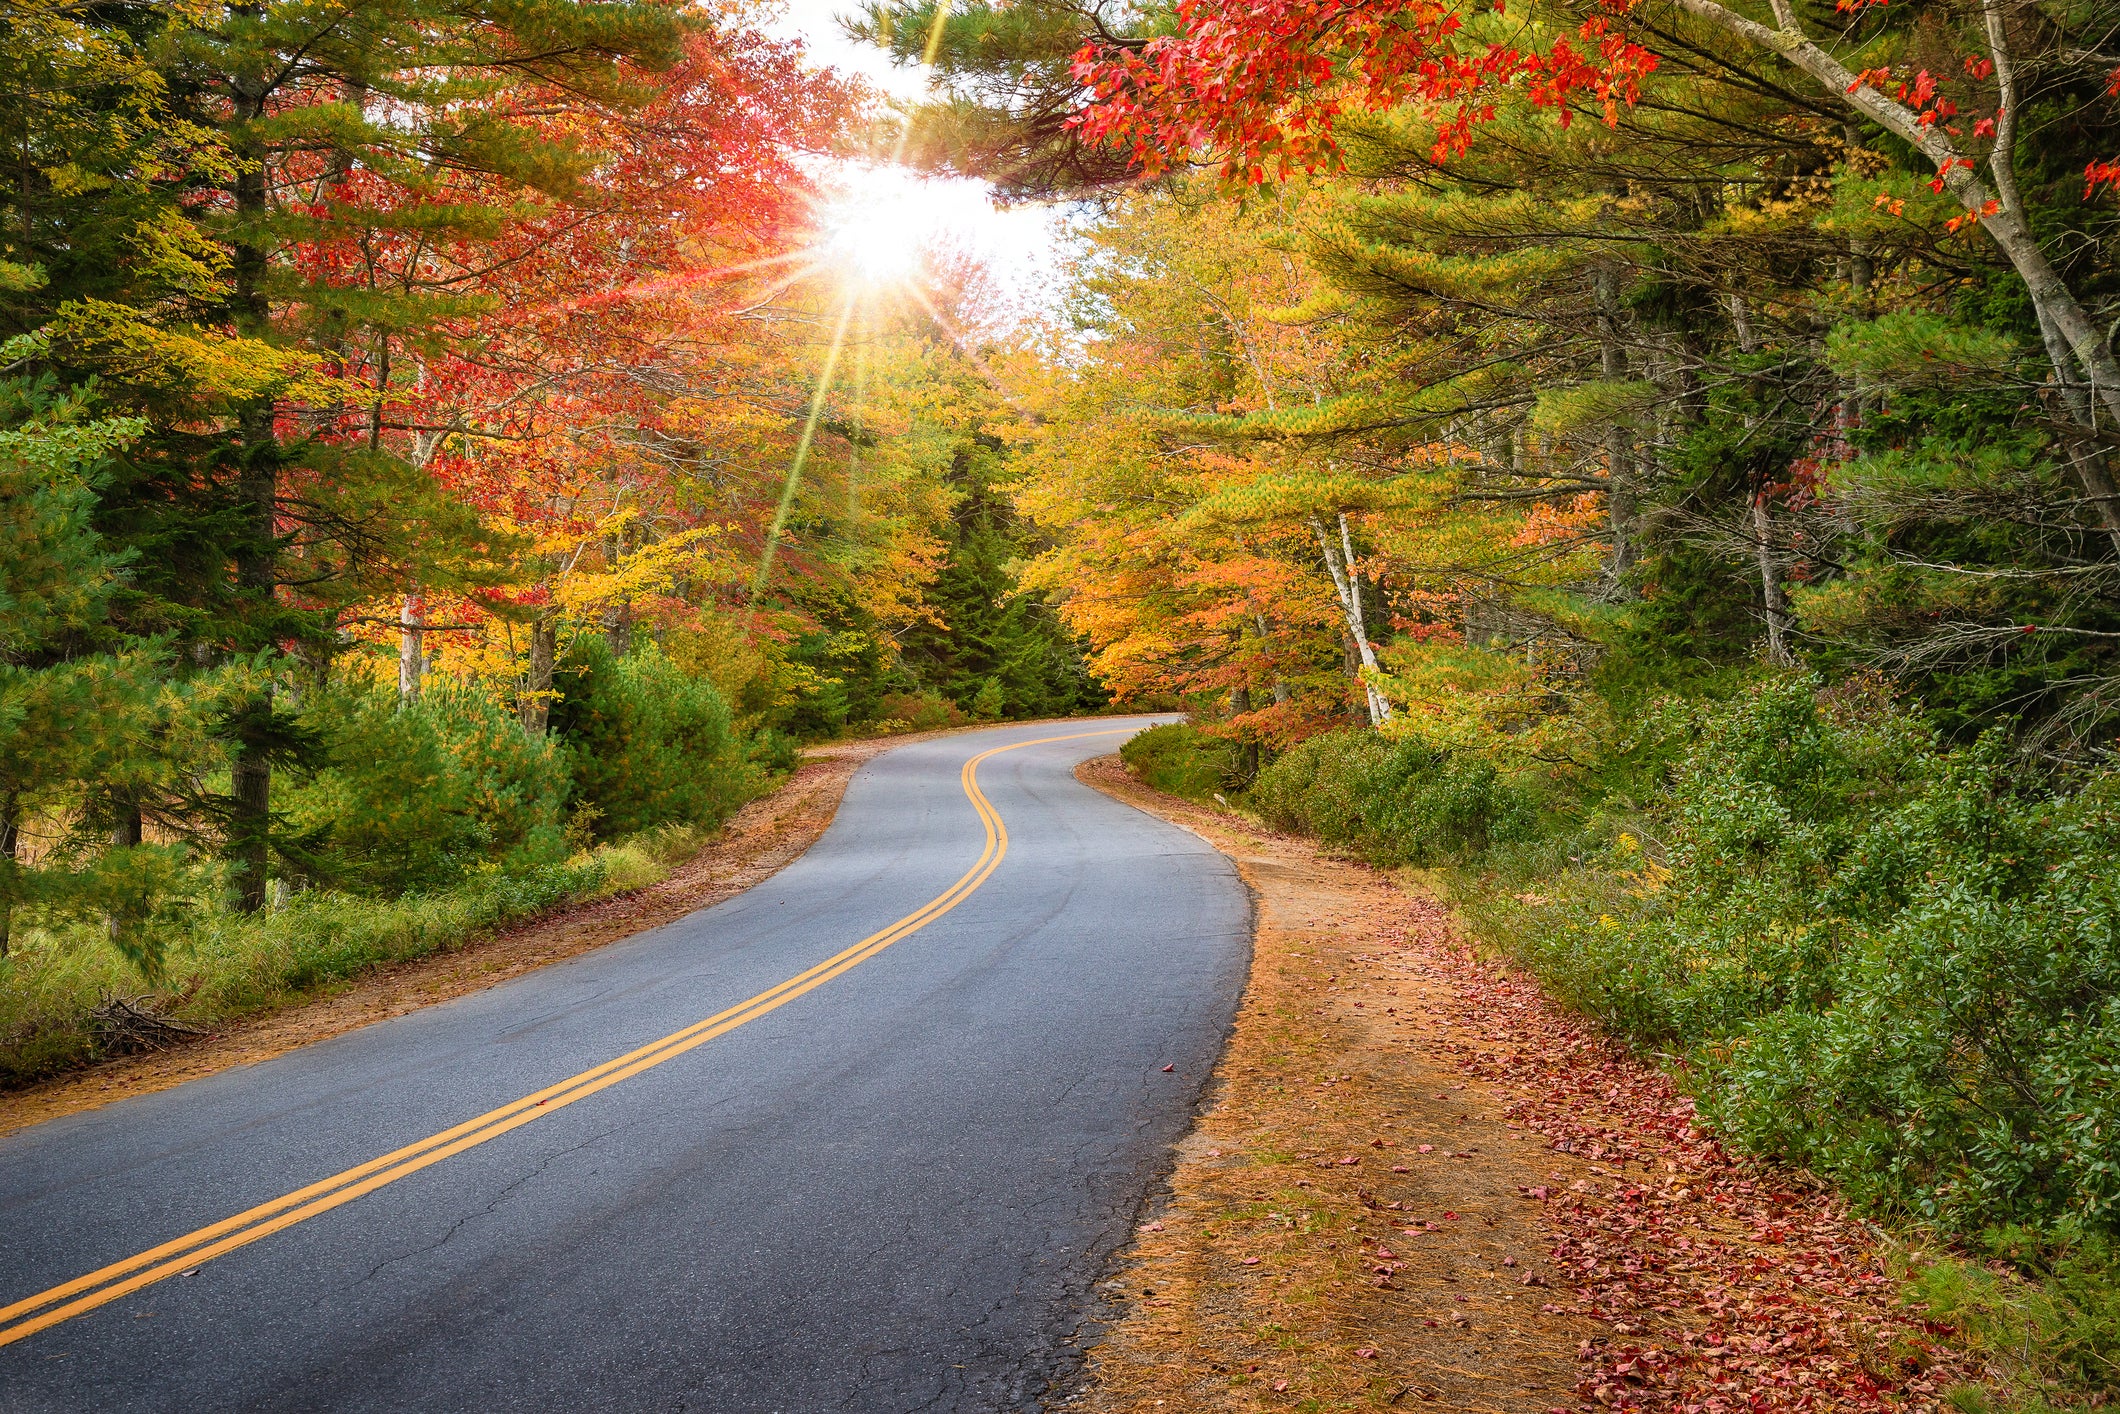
69, 1299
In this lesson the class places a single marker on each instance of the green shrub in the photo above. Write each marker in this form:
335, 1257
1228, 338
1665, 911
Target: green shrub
1886, 962
410, 797
922, 711
645, 744
2052, 1325
1393, 802
225, 964
1180, 758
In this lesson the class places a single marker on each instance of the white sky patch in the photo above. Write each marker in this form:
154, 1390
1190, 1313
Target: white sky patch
885, 215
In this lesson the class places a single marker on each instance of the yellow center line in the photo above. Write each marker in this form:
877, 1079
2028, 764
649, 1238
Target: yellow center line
69, 1299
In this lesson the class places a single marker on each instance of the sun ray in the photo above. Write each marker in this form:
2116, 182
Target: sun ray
802, 449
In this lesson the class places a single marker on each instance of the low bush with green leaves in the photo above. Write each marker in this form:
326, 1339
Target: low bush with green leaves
402, 827
221, 964
923, 711
1889, 960
408, 797
1405, 801
645, 744
1884, 961
1180, 758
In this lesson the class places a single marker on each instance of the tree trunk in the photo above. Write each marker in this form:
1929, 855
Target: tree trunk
1339, 563
1619, 459
536, 704
412, 650
1777, 603
10, 847
2085, 457
125, 834
257, 493
617, 616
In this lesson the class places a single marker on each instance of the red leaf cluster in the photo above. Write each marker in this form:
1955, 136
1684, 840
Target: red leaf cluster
1260, 84
1728, 1285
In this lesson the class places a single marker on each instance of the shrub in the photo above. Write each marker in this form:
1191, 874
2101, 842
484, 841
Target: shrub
1886, 962
1180, 758
646, 745
409, 797
1393, 802
921, 711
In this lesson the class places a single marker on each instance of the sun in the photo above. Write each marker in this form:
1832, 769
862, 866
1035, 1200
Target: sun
879, 224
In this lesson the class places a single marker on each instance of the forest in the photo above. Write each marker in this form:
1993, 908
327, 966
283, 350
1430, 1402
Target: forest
1645, 464
428, 495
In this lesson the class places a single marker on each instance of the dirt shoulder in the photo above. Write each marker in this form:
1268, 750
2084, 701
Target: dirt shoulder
1418, 1181
761, 839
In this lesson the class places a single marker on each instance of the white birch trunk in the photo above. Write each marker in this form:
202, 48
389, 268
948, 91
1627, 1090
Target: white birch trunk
1339, 563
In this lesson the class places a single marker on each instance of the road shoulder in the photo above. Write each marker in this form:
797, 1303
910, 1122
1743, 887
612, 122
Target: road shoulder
1417, 1181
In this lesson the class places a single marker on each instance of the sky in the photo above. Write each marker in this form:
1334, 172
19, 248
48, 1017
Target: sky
892, 205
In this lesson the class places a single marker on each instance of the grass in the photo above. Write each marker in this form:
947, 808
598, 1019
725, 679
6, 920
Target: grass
220, 965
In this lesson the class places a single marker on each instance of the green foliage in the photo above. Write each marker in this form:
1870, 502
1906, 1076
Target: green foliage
1888, 962
1393, 802
645, 744
230, 963
411, 797
919, 712
996, 645
2049, 1318
1180, 758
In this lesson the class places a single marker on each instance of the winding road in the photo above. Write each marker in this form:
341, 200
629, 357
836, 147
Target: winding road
859, 1139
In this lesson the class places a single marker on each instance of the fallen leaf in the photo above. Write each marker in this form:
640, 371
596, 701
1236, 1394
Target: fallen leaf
1166, 1069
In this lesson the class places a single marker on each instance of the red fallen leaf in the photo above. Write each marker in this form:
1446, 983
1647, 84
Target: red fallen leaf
1508, 1261
1400, 1168
1386, 1252
1251, 1261
1168, 1069
1427, 1148
1376, 1143
1151, 1227
1350, 1159
1451, 1216
1280, 1385
1365, 1353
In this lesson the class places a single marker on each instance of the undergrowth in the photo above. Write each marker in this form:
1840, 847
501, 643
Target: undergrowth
1870, 954
218, 965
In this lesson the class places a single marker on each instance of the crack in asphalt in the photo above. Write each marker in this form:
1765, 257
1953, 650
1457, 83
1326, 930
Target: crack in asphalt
505, 1192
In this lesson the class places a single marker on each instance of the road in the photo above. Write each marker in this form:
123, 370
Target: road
887, 1185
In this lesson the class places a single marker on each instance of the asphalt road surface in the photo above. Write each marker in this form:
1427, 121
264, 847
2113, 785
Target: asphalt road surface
888, 1185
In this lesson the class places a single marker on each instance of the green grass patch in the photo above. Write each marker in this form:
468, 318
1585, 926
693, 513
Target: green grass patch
218, 965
